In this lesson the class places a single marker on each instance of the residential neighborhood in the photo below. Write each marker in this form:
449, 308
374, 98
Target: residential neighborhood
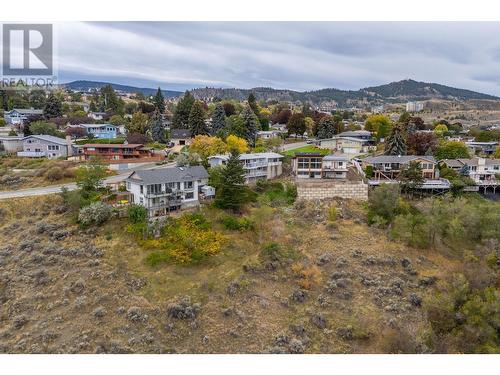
251, 188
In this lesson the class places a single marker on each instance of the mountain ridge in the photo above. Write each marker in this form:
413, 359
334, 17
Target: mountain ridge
394, 92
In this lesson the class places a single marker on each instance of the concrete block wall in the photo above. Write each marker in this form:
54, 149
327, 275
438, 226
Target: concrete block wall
323, 189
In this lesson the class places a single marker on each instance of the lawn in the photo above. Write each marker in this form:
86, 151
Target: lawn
308, 148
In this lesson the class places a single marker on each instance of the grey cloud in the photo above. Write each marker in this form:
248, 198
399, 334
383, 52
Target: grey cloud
295, 55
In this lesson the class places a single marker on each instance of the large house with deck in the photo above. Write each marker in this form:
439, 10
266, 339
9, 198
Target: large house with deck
388, 167
483, 171
46, 146
262, 165
164, 190
117, 152
316, 166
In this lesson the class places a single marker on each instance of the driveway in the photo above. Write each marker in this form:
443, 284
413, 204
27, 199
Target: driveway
44, 190
293, 146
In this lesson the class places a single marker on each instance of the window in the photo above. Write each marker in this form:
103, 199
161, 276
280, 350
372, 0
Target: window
53, 147
154, 189
128, 185
188, 184
189, 196
141, 189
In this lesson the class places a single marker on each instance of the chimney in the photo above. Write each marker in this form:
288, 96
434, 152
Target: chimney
69, 143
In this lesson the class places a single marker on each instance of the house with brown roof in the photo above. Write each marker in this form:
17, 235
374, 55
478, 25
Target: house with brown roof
119, 152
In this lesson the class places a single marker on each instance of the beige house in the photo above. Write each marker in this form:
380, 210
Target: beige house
388, 167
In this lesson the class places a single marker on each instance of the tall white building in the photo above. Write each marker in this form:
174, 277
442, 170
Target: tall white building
414, 106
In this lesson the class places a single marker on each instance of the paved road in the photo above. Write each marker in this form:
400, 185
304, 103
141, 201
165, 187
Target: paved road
71, 185
293, 146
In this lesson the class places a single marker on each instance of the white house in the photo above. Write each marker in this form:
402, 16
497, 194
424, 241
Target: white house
168, 189
482, 170
262, 165
268, 134
97, 115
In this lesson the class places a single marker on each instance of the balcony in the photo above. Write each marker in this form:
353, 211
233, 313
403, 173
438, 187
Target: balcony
254, 165
32, 154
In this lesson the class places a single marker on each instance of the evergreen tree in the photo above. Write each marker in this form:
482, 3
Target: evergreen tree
231, 193
53, 107
159, 101
92, 106
196, 120
252, 124
252, 102
110, 101
157, 129
326, 128
181, 113
396, 142
218, 119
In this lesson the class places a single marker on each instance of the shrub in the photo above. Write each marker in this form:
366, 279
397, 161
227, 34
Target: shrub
54, 174
383, 203
332, 213
186, 240
137, 214
233, 223
96, 213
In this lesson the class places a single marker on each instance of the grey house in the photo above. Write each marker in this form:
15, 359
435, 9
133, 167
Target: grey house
46, 146
18, 116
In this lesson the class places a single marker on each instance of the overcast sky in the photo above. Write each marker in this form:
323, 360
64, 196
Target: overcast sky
293, 55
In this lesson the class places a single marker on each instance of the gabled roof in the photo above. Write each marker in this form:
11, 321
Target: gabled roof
180, 133
48, 138
170, 174
401, 159
25, 111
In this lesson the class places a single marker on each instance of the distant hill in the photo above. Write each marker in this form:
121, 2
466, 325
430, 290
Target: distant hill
394, 92
90, 85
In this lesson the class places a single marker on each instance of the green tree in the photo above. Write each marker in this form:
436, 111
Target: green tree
378, 124
395, 144
411, 177
116, 120
252, 103
53, 107
159, 101
109, 101
326, 127
43, 127
252, 124
182, 111
157, 128
383, 204
138, 123
232, 192
218, 119
296, 124
451, 150
37, 99
89, 178
236, 126
440, 129
196, 121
